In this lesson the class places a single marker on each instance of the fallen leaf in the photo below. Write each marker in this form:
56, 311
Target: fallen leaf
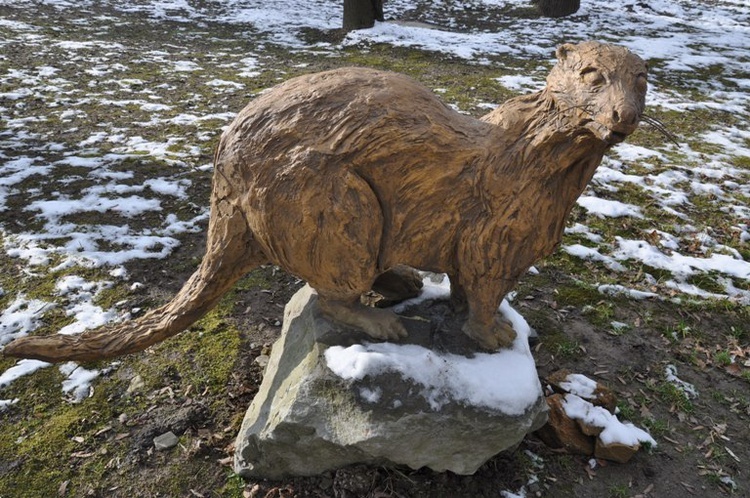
667, 438
689, 488
252, 492
731, 453
82, 454
102, 431
645, 412
591, 473
734, 369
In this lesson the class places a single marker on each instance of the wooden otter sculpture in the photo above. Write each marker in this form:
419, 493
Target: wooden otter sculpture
339, 176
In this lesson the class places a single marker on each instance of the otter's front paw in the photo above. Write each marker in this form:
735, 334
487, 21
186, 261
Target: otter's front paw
499, 335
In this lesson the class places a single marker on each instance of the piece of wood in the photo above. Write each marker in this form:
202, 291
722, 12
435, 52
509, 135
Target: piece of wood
339, 176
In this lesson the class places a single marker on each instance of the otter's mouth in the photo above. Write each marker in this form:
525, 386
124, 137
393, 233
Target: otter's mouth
603, 133
615, 137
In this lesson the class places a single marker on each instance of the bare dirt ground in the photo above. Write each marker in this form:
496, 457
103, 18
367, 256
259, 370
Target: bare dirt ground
199, 384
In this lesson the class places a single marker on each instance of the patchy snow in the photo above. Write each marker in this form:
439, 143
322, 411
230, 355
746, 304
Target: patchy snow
117, 183
579, 228
520, 83
537, 464
371, 395
618, 290
77, 383
678, 264
6, 403
593, 254
608, 208
23, 367
21, 317
670, 372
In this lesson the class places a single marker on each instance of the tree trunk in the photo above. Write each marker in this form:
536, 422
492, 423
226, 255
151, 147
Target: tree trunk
361, 14
557, 8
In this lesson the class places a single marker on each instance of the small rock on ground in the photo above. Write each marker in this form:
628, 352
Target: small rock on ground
166, 441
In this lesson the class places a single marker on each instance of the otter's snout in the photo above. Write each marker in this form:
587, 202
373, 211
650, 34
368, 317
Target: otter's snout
627, 117
620, 121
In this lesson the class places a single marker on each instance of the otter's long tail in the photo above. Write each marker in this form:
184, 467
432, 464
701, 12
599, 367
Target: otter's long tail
231, 253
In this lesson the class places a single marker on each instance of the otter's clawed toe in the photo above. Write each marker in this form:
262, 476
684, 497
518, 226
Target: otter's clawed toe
499, 335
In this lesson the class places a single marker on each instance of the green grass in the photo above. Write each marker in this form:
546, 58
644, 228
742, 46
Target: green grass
673, 396
618, 491
723, 358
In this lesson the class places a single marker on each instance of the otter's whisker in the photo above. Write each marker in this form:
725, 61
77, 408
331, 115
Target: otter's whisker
660, 127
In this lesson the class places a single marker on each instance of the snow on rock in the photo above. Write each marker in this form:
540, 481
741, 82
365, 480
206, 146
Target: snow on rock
506, 380
580, 385
382, 402
614, 431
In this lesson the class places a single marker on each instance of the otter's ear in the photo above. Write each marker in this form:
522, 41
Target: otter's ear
564, 50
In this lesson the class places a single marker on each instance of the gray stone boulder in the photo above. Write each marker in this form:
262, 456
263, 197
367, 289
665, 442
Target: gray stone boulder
330, 397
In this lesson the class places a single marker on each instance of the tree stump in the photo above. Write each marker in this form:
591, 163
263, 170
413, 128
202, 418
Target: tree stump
557, 8
362, 14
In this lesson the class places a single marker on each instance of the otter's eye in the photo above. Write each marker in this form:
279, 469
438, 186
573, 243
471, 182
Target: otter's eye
592, 77
641, 83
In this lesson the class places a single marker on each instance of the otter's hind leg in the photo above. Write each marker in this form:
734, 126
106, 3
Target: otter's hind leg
336, 238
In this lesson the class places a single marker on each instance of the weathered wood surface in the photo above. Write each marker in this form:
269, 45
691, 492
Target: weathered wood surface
339, 176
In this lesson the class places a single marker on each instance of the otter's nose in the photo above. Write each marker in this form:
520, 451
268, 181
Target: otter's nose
625, 117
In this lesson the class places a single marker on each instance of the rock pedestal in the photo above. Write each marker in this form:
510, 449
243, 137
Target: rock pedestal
331, 398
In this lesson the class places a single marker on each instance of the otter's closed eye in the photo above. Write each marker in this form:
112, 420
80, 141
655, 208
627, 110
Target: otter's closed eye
641, 83
592, 76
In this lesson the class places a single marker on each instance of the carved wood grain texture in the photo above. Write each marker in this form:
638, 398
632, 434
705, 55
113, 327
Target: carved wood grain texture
340, 176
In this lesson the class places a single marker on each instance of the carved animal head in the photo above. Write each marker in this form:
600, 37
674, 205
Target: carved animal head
601, 87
